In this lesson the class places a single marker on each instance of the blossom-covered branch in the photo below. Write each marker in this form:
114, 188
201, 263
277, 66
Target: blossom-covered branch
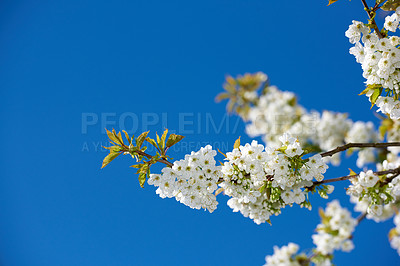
299, 144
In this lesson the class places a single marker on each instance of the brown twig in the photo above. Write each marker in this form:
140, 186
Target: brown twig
141, 153
361, 217
371, 15
359, 145
149, 156
395, 171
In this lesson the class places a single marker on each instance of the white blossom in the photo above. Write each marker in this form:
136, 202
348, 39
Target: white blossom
191, 181
335, 231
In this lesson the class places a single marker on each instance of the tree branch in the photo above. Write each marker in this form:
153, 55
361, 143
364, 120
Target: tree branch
395, 171
126, 149
361, 217
149, 156
359, 145
371, 15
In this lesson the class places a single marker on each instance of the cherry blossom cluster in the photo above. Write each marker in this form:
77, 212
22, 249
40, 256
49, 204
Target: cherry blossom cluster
283, 256
262, 181
367, 189
274, 114
394, 235
191, 181
335, 231
380, 61
378, 196
277, 112
287, 256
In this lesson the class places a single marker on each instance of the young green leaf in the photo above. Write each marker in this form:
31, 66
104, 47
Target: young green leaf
222, 96
321, 213
113, 137
391, 5
111, 156
127, 136
114, 148
119, 136
173, 139
237, 144
331, 2
141, 138
142, 179
163, 138
375, 95
352, 172
152, 142
158, 141
365, 91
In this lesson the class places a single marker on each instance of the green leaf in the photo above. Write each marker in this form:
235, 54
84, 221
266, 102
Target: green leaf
382, 130
230, 85
237, 144
158, 140
321, 213
113, 137
141, 138
163, 138
173, 139
114, 148
391, 5
374, 96
222, 96
369, 88
350, 152
385, 126
365, 91
119, 136
230, 105
262, 188
230, 80
144, 168
393, 233
142, 179
331, 2
127, 136
111, 156
352, 172
152, 142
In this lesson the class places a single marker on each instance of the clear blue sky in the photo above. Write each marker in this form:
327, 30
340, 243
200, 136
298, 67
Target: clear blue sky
130, 64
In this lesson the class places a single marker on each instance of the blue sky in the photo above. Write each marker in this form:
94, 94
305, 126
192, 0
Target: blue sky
144, 65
